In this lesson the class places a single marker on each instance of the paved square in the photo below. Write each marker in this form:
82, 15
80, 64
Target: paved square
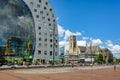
76, 73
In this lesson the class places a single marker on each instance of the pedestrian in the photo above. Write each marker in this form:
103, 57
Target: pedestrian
114, 67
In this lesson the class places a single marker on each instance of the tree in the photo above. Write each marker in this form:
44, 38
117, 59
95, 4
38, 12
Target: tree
118, 61
99, 59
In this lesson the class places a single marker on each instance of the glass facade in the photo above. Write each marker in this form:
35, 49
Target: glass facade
17, 30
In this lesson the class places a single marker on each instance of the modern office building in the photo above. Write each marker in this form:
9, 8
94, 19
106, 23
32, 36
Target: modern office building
34, 23
62, 50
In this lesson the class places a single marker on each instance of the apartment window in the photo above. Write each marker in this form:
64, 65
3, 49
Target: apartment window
50, 35
45, 45
31, 3
35, 10
50, 53
39, 39
45, 52
39, 52
37, 16
54, 20
53, 15
45, 40
38, 5
41, 12
39, 28
44, 23
49, 24
40, 1
46, 34
43, 18
39, 33
46, 3
50, 9
47, 14
48, 19
50, 45
56, 41
50, 40
44, 8
56, 46
40, 44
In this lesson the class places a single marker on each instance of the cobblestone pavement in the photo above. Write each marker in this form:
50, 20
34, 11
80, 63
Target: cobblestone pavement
67, 73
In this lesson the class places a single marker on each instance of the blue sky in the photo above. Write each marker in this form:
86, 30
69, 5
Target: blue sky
96, 19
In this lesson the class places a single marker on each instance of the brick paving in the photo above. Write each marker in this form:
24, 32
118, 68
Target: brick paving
76, 73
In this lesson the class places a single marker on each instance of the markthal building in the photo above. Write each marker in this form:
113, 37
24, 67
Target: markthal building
28, 28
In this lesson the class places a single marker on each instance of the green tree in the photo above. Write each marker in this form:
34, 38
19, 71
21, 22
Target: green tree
99, 59
118, 60
20, 61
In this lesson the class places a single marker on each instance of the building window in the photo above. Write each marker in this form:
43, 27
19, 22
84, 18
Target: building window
50, 45
53, 15
48, 19
44, 8
45, 52
41, 12
31, 3
47, 14
56, 46
39, 52
46, 3
54, 20
49, 24
50, 35
39, 33
39, 39
40, 1
45, 45
44, 23
50, 53
50, 40
50, 9
45, 40
35, 10
40, 44
39, 28
56, 41
38, 5
46, 34
37, 16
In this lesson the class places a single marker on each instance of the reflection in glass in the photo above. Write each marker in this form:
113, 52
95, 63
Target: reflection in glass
17, 34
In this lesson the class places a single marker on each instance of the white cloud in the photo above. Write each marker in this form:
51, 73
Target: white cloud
61, 30
96, 42
114, 48
85, 38
68, 33
81, 43
64, 43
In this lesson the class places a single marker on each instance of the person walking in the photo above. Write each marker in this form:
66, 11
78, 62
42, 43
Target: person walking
114, 67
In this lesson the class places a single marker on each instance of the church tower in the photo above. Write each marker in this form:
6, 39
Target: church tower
72, 44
